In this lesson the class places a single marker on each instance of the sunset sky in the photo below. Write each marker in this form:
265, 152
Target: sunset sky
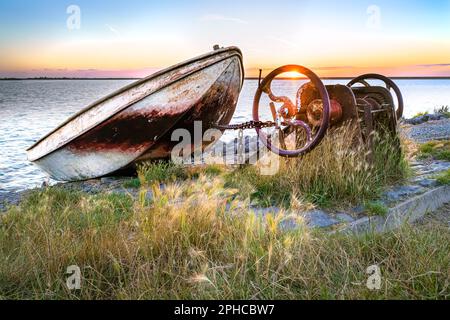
135, 38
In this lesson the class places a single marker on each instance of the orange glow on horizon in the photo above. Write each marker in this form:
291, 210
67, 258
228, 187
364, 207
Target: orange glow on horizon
292, 75
116, 59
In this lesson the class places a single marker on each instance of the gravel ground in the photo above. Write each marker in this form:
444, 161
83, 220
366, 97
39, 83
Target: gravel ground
432, 130
93, 186
9, 198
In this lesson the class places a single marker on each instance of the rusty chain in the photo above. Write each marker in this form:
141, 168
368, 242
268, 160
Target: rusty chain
247, 125
241, 146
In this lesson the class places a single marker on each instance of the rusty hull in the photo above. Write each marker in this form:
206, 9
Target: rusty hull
135, 123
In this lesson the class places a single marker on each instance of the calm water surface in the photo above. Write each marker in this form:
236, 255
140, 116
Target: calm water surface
30, 109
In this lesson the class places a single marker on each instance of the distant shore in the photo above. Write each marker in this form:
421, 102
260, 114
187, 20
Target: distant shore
40, 78
246, 78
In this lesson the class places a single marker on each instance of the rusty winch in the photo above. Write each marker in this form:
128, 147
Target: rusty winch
318, 107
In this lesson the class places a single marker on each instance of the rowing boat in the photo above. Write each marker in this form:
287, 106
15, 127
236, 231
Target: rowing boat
135, 123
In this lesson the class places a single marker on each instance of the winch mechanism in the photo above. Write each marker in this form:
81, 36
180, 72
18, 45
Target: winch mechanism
318, 107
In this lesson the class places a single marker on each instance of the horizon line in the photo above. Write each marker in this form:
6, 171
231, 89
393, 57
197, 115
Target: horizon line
245, 78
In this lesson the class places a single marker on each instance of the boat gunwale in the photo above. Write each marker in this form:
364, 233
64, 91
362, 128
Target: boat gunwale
237, 53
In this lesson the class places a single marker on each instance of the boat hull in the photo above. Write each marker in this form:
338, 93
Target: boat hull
142, 130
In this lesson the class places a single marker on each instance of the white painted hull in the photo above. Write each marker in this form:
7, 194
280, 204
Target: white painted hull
131, 124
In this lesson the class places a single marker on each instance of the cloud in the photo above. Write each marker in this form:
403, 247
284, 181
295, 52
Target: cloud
265, 70
286, 42
433, 65
334, 68
80, 73
113, 30
218, 17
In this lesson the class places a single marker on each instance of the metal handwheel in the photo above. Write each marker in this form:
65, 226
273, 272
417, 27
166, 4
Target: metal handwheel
389, 85
286, 116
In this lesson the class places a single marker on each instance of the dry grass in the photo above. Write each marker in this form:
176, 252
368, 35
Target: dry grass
184, 244
195, 239
334, 173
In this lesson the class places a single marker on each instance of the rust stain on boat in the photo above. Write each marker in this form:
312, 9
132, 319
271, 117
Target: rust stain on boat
216, 107
128, 132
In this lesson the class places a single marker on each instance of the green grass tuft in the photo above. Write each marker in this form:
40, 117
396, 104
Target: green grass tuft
132, 183
376, 208
444, 178
162, 172
420, 114
444, 110
213, 170
438, 150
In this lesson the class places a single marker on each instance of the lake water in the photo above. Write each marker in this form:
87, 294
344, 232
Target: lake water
29, 109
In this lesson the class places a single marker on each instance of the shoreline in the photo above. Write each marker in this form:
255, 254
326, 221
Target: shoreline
245, 78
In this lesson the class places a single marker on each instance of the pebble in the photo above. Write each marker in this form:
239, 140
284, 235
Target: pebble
319, 219
359, 209
265, 211
344, 217
425, 118
288, 223
416, 164
433, 168
10, 198
436, 130
441, 165
107, 180
313, 219
427, 183
399, 192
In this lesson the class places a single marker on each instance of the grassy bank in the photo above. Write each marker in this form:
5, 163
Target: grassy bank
194, 238
334, 174
167, 248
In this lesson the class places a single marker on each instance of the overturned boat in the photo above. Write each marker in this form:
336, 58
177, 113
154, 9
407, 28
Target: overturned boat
135, 123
